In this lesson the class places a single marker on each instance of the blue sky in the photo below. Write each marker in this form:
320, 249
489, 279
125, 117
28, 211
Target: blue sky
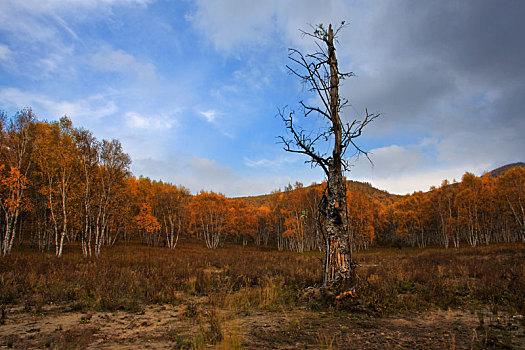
192, 88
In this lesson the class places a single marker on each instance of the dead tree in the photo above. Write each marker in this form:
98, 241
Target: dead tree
319, 71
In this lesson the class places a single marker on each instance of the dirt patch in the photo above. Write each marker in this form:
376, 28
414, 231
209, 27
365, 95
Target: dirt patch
196, 324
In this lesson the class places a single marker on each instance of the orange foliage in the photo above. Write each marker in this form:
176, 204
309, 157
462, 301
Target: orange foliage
208, 213
14, 183
58, 182
145, 220
241, 220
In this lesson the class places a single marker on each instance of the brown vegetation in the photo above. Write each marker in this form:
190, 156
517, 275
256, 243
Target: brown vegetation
259, 298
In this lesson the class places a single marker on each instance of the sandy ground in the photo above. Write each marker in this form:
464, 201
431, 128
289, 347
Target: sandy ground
175, 327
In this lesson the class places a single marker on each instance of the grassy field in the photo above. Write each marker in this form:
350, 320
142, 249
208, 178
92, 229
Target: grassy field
236, 297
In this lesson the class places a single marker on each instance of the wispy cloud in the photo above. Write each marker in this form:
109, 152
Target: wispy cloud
44, 19
49, 33
219, 122
109, 59
278, 162
91, 107
211, 115
158, 122
51, 6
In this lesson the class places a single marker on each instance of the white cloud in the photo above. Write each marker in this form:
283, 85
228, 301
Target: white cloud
264, 163
116, 60
209, 168
50, 6
501, 145
224, 125
40, 20
54, 63
210, 115
155, 168
233, 25
393, 169
44, 31
276, 163
158, 122
410, 182
29, 29
249, 25
197, 173
92, 107
252, 77
392, 159
403, 170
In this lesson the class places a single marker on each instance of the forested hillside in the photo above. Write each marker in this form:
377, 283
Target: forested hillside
60, 185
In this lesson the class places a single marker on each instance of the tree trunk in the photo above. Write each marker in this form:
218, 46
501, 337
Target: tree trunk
340, 267
339, 257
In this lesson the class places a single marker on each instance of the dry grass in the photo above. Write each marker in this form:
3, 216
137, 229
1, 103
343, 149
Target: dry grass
421, 279
246, 296
128, 276
248, 278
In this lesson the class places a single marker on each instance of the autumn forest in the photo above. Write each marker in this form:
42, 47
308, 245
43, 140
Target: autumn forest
61, 186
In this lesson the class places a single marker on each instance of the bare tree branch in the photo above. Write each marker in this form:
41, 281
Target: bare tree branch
303, 144
320, 72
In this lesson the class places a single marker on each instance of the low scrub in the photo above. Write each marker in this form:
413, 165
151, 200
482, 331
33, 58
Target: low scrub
246, 278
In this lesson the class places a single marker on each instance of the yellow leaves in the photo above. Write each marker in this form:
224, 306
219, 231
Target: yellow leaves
145, 220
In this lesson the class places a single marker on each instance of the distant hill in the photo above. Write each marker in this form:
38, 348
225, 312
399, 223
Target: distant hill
501, 170
367, 188
353, 186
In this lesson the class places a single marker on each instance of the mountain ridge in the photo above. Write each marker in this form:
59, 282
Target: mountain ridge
503, 169
365, 187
